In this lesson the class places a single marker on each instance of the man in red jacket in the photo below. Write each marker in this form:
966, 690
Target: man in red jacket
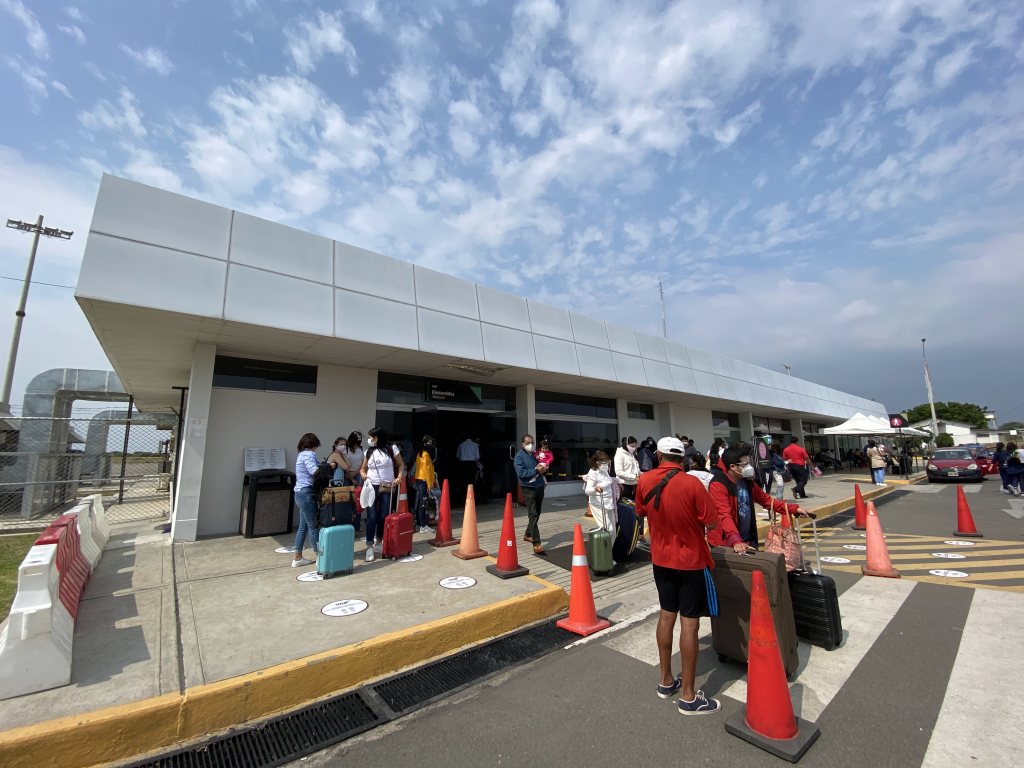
799, 466
734, 493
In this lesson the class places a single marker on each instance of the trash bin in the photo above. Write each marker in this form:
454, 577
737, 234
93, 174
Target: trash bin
268, 503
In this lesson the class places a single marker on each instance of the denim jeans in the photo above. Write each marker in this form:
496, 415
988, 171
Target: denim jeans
420, 511
879, 474
308, 511
376, 513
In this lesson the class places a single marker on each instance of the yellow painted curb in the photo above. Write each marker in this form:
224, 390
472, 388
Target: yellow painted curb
117, 733
827, 510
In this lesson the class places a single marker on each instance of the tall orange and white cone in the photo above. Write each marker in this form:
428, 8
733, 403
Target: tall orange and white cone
403, 497
583, 618
964, 518
508, 565
443, 533
860, 512
767, 721
470, 546
878, 562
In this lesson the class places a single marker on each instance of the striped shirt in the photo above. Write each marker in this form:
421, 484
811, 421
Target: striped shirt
306, 464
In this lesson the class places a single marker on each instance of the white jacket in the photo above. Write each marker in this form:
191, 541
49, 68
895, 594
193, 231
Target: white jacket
604, 505
627, 468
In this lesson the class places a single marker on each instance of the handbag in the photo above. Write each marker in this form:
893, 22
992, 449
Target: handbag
337, 493
817, 472
785, 542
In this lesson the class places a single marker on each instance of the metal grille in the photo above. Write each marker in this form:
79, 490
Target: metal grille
48, 464
279, 741
422, 686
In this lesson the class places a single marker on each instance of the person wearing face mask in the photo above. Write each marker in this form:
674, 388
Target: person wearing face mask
352, 450
603, 491
734, 494
531, 477
424, 480
383, 468
627, 468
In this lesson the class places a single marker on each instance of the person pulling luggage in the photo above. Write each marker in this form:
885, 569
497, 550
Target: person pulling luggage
603, 491
734, 493
678, 511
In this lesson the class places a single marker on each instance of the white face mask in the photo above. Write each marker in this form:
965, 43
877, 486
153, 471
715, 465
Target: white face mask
372, 441
631, 448
603, 467
748, 471
528, 447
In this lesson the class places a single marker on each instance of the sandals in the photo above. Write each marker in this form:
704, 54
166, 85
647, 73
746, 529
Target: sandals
539, 550
528, 538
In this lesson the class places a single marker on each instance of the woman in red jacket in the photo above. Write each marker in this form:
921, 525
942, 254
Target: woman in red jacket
734, 493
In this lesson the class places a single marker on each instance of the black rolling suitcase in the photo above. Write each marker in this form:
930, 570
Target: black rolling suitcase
815, 603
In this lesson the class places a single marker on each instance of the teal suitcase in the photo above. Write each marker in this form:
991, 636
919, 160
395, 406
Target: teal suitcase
599, 551
337, 550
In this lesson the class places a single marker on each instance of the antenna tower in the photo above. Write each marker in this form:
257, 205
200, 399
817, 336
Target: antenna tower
664, 324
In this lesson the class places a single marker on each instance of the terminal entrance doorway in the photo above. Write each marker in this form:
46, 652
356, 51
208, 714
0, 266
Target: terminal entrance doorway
450, 427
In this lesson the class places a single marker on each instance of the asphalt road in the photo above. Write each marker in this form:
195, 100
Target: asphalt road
929, 675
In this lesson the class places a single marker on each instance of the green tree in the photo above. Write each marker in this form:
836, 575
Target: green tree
1012, 425
965, 413
944, 441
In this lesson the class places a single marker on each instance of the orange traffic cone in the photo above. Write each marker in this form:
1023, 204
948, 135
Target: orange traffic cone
443, 533
508, 566
470, 547
403, 498
964, 519
767, 721
878, 563
860, 513
583, 618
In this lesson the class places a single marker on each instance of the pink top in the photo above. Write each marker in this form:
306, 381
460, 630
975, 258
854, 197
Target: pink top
545, 457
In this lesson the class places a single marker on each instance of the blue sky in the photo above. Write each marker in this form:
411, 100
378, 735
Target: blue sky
816, 183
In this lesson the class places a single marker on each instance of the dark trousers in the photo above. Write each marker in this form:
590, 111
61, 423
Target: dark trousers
1003, 477
467, 477
534, 498
799, 473
420, 510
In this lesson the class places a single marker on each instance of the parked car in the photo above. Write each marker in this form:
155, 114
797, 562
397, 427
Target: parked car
983, 456
953, 464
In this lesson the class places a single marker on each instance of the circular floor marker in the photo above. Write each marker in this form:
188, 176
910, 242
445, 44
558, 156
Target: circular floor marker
835, 560
309, 576
284, 551
409, 559
949, 555
457, 582
344, 607
950, 574
955, 543
864, 536
854, 546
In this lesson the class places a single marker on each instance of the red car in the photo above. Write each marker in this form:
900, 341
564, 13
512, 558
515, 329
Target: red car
983, 456
956, 464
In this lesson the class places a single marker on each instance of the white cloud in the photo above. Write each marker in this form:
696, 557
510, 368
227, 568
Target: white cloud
246, 36
151, 58
735, 126
950, 66
73, 32
309, 40
74, 13
532, 23
35, 36
123, 118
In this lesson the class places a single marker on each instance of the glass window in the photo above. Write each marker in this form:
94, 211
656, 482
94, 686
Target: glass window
724, 420
558, 404
640, 411
951, 455
572, 442
405, 389
263, 375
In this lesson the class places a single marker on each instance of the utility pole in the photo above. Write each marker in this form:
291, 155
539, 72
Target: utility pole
19, 316
789, 371
931, 397
664, 324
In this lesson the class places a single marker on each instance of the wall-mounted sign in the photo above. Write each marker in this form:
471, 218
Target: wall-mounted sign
264, 458
459, 392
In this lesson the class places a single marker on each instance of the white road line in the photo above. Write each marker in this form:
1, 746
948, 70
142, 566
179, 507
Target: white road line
980, 722
1016, 508
972, 488
642, 645
631, 619
925, 488
867, 608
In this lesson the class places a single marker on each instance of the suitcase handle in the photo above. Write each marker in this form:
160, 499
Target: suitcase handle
817, 552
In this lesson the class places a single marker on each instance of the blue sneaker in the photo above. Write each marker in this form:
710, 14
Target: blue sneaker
667, 691
701, 705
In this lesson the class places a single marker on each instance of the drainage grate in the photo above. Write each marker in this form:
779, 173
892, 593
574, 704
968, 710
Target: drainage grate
422, 686
279, 741
892, 496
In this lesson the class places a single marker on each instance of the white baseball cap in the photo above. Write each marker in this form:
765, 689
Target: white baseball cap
671, 445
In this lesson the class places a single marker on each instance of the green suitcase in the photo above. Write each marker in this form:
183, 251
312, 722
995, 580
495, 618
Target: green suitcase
599, 551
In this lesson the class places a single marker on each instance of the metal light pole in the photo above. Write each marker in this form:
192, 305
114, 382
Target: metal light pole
19, 316
931, 397
789, 371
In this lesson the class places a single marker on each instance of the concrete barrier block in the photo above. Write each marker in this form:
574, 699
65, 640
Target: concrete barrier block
100, 527
35, 640
86, 535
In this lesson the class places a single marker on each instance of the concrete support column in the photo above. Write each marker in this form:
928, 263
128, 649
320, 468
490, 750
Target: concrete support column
665, 426
746, 426
798, 430
526, 411
185, 518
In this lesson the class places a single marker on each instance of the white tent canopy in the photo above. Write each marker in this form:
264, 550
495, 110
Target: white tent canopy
860, 424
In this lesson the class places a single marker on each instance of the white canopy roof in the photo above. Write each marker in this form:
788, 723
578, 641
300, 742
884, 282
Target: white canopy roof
860, 424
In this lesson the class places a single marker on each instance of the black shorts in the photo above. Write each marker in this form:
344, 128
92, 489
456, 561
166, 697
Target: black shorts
688, 593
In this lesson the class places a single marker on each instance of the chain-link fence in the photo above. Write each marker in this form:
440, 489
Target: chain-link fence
47, 465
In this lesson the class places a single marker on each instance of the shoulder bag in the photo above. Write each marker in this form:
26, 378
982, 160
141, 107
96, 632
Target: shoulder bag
785, 542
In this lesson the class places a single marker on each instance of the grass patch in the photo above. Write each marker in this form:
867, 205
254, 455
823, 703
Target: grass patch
12, 551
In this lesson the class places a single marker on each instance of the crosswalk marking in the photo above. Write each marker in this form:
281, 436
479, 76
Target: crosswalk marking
972, 488
867, 608
642, 645
1016, 509
980, 720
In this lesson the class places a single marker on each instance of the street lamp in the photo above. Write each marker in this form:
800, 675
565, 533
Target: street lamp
931, 397
19, 317
789, 371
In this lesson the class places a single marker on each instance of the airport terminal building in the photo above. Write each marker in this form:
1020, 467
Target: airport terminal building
276, 332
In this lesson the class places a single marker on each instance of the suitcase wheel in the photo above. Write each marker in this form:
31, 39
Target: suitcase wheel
327, 575
350, 570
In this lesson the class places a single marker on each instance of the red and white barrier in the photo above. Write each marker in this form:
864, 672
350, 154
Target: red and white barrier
35, 639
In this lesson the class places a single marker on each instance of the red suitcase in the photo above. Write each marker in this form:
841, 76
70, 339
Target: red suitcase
398, 528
